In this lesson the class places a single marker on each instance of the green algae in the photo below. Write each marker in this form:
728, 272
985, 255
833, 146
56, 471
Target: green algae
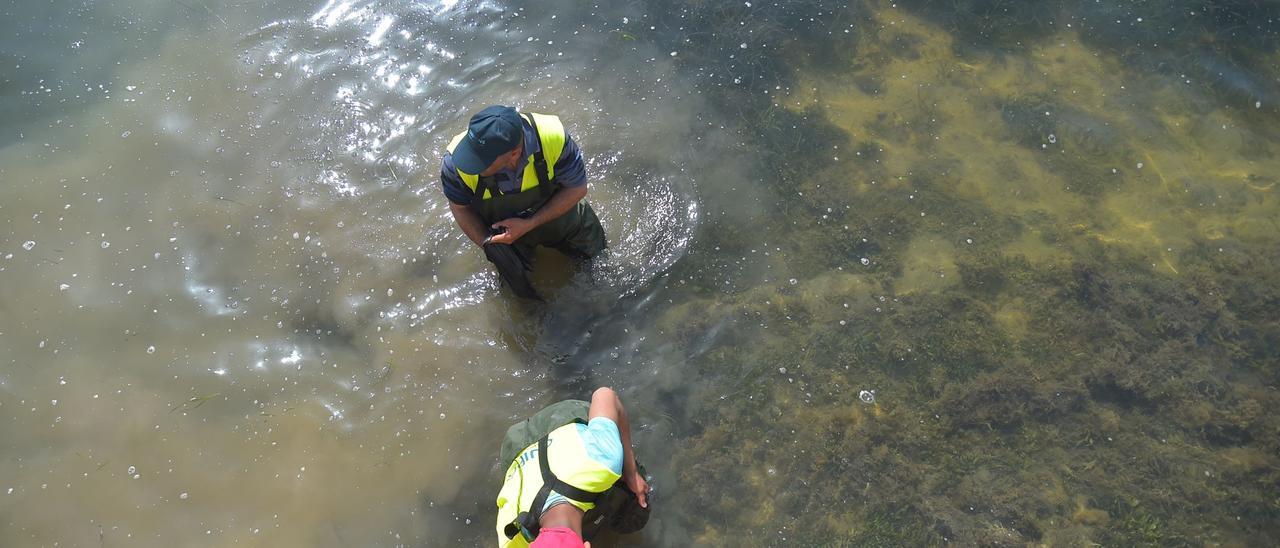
1067, 309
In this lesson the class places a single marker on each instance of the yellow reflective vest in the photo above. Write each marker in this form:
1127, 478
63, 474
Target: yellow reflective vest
552, 136
569, 461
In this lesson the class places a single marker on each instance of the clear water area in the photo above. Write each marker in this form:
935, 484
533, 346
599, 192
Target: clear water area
234, 309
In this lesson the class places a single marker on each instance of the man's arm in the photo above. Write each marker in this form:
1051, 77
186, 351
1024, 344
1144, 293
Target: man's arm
606, 403
470, 223
459, 198
560, 203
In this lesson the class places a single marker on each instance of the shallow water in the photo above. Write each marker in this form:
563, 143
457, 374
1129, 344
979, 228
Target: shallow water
234, 308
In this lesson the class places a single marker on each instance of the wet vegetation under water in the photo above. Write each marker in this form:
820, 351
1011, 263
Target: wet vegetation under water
1055, 265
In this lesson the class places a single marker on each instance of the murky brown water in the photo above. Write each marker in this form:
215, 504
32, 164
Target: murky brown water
244, 314
234, 309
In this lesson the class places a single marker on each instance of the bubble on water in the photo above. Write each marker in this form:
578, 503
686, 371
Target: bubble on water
132, 470
772, 471
63, 287
1257, 104
782, 370
1053, 139
867, 396
151, 349
42, 343
442, 415
105, 244
390, 292
793, 281
182, 495
278, 75
1139, 165
126, 134
29, 245
743, 45
865, 261
673, 54
469, 519
130, 88
968, 240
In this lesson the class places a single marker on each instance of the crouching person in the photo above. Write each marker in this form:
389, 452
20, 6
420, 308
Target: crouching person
570, 473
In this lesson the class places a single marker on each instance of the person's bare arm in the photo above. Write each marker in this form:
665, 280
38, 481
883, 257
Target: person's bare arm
469, 222
560, 203
606, 403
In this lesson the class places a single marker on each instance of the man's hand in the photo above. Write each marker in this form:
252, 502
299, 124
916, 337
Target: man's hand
639, 486
515, 228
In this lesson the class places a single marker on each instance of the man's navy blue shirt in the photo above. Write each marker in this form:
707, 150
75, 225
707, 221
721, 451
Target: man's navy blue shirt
569, 169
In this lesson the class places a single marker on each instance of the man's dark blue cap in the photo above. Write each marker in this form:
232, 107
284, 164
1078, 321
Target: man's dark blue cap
494, 131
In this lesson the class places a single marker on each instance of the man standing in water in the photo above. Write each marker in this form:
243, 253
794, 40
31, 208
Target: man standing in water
570, 472
518, 179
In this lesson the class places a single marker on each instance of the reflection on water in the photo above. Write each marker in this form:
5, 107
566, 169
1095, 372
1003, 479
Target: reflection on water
235, 309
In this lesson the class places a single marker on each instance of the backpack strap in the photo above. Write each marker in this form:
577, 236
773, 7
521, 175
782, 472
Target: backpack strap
529, 520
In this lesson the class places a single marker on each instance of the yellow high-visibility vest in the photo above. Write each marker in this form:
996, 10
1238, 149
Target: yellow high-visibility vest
552, 136
569, 461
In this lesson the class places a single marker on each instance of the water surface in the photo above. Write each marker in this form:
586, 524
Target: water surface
234, 307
